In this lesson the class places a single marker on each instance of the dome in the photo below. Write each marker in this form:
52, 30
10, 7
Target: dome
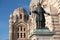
20, 10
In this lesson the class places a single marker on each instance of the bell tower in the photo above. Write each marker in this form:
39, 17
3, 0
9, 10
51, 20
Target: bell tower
18, 25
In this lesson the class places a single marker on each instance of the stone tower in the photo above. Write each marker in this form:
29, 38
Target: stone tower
18, 25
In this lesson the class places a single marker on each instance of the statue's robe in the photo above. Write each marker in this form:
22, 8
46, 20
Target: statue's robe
40, 19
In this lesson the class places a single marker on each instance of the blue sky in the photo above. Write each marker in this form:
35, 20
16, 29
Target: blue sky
6, 8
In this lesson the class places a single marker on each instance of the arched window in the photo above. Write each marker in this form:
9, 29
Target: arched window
24, 35
20, 16
17, 35
24, 29
21, 28
24, 17
21, 35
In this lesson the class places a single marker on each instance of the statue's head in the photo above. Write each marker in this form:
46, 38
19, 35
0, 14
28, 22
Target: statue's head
36, 8
34, 5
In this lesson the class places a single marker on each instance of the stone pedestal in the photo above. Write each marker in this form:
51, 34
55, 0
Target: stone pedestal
41, 34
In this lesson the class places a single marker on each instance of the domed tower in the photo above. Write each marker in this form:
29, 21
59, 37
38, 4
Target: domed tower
18, 24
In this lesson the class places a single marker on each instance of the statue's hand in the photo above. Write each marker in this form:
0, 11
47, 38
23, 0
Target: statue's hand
47, 13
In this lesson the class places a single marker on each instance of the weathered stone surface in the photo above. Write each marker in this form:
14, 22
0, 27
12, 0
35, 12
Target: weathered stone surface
29, 22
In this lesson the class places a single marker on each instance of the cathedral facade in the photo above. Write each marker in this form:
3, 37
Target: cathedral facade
24, 27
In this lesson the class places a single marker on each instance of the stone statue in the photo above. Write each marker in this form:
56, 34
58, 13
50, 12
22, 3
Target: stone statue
40, 18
